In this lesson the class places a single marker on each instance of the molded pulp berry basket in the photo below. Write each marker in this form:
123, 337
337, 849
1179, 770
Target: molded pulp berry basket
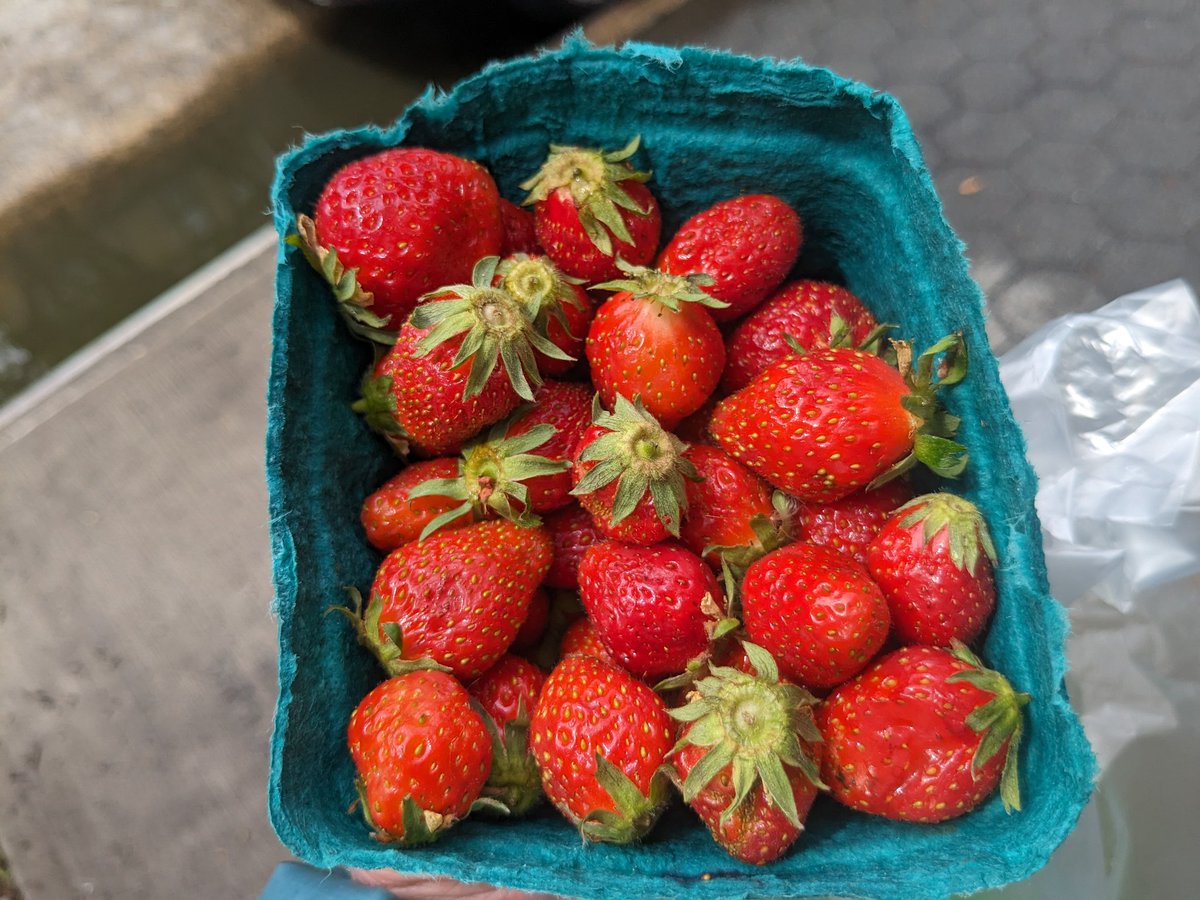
712, 126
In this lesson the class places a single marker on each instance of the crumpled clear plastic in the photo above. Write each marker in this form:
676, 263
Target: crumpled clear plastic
1110, 405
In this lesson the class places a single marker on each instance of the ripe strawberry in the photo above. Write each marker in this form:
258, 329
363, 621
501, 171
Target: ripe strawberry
818, 613
654, 608
399, 224
824, 424
814, 314
567, 408
456, 599
749, 758
508, 693
924, 735
535, 622
558, 306
581, 637
694, 428
655, 340
520, 235
629, 474
747, 244
850, 524
600, 737
391, 516
422, 755
934, 560
590, 207
573, 530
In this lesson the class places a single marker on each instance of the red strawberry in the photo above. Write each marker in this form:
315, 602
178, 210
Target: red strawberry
654, 608
422, 755
747, 244
508, 693
629, 474
399, 224
558, 306
934, 560
749, 758
535, 622
694, 429
573, 530
811, 313
391, 517
520, 235
824, 424
817, 612
600, 736
581, 637
591, 207
456, 599
924, 735
655, 339
567, 408
850, 524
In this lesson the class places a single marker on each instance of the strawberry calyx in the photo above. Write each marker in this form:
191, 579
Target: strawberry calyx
386, 641
421, 826
645, 283
633, 813
641, 456
966, 531
999, 720
354, 302
514, 781
491, 477
593, 178
770, 532
539, 286
495, 328
753, 724
377, 406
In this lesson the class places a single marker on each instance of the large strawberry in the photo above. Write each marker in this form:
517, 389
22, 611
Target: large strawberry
924, 735
422, 755
850, 524
573, 531
934, 560
391, 516
654, 339
398, 224
560, 308
456, 599
591, 207
508, 694
600, 737
520, 233
823, 424
747, 244
536, 621
654, 608
629, 474
749, 757
817, 612
811, 314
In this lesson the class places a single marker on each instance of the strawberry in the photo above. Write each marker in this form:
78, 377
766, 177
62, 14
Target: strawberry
535, 622
560, 308
654, 339
654, 608
591, 207
600, 737
924, 735
850, 524
520, 234
581, 637
933, 558
456, 599
824, 424
567, 408
749, 758
422, 755
398, 224
747, 244
573, 530
629, 474
694, 428
813, 314
508, 693
817, 612
391, 516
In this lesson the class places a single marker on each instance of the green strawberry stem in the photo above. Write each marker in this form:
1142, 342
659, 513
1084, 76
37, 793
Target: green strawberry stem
635, 813
671, 291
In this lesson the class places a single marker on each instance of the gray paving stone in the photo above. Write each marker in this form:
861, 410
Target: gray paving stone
1004, 34
925, 104
1038, 297
1145, 39
1155, 91
979, 198
1167, 146
984, 137
1136, 205
1072, 170
1047, 231
1069, 113
924, 56
1085, 64
1078, 19
993, 84
1127, 265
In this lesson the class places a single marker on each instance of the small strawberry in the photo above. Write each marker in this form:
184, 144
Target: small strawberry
391, 516
694, 428
747, 244
924, 735
656, 340
813, 314
629, 474
817, 612
934, 561
591, 207
567, 408
520, 234
600, 737
560, 308
398, 224
850, 524
456, 599
581, 637
573, 531
749, 758
508, 693
654, 608
824, 424
535, 623
422, 755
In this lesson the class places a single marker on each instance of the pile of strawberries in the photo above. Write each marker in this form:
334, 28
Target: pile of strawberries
659, 532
